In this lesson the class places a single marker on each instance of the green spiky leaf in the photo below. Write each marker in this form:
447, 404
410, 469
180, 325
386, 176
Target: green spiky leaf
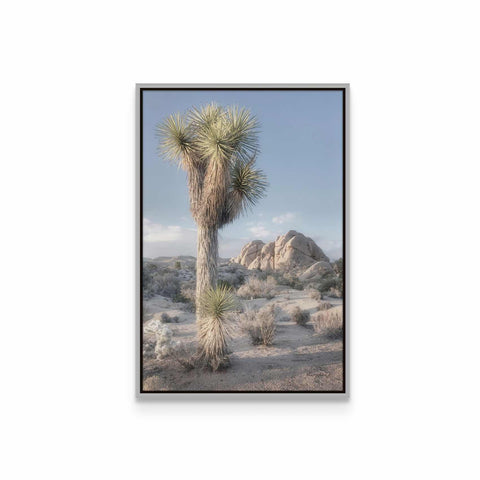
176, 138
249, 184
214, 327
217, 302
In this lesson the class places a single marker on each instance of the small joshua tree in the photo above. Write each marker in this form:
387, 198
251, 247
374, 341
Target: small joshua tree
217, 147
215, 328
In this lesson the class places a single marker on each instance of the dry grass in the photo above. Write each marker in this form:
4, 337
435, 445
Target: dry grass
288, 279
187, 297
315, 294
324, 306
184, 356
329, 323
256, 288
259, 325
188, 293
271, 280
300, 317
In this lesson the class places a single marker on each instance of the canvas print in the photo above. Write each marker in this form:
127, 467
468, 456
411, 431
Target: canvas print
242, 239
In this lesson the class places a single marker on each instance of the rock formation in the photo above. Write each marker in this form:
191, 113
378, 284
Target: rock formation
249, 253
290, 252
316, 270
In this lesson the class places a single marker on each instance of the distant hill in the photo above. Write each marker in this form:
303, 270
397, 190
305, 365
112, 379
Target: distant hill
185, 260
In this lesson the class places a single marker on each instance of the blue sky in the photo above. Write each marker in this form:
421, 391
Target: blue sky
300, 152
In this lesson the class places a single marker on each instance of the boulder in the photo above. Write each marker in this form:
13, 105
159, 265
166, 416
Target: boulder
249, 253
295, 251
316, 271
267, 257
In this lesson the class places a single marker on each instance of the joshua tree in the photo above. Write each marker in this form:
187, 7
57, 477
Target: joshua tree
217, 147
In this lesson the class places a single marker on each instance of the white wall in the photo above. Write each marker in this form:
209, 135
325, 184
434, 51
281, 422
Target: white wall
67, 209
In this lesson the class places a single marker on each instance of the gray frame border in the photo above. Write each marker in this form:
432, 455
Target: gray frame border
255, 396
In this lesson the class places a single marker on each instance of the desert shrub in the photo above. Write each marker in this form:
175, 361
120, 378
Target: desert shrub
238, 279
300, 317
324, 306
232, 277
183, 355
338, 268
279, 278
215, 326
178, 265
166, 318
245, 318
315, 294
168, 285
328, 323
259, 325
266, 319
288, 280
296, 284
230, 268
188, 293
256, 288
159, 281
226, 284
261, 275
187, 297
180, 298
329, 283
271, 280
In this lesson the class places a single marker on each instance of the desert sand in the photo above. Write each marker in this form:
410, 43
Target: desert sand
298, 360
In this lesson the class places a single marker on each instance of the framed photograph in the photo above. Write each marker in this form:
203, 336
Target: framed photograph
242, 239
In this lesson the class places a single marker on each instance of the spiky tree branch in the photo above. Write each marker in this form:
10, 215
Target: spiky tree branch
217, 147
247, 186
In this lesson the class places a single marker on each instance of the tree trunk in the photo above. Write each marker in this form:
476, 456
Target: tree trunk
207, 256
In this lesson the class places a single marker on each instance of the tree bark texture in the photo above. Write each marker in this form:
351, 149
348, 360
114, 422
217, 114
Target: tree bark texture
207, 258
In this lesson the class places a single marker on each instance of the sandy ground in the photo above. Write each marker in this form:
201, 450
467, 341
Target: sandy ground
298, 360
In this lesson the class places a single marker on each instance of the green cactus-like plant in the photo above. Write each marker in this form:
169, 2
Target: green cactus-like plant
215, 304
217, 147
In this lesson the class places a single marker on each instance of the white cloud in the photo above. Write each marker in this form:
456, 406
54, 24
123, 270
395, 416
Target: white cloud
154, 232
171, 240
167, 240
260, 231
286, 217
